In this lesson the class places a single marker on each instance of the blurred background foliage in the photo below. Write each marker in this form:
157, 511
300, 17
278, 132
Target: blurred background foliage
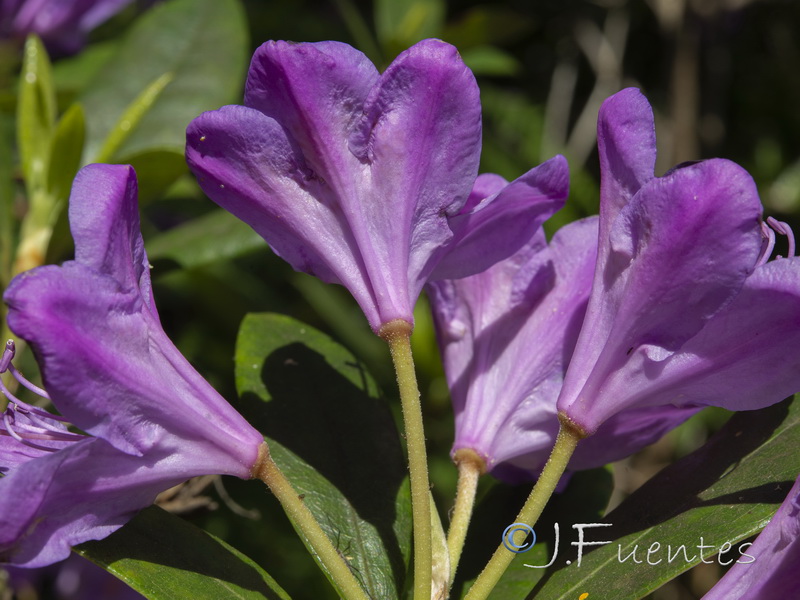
722, 75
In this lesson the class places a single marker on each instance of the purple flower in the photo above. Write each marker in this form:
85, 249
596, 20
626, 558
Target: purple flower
507, 335
357, 177
152, 421
62, 24
685, 309
770, 568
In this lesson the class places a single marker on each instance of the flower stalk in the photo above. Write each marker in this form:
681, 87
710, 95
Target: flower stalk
470, 468
568, 437
397, 334
299, 514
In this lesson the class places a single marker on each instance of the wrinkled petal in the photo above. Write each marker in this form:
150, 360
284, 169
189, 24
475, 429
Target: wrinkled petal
770, 568
502, 222
106, 231
662, 282
348, 174
83, 492
316, 92
421, 136
109, 366
507, 334
626, 143
112, 372
743, 359
245, 162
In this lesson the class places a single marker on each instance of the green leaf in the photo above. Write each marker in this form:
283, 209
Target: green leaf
721, 494
491, 61
401, 23
132, 115
163, 557
8, 233
156, 171
65, 152
334, 438
202, 43
215, 236
36, 113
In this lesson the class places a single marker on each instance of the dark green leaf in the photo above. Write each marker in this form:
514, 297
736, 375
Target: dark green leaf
334, 438
129, 119
163, 557
202, 43
215, 236
721, 494
65, 152
157, 170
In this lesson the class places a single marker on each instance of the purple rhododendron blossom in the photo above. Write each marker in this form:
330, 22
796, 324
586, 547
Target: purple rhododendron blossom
109, 369
506, 337
685, 309
62, 24
773, 572
358, 177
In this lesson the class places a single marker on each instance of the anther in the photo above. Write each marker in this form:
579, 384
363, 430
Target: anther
8, 355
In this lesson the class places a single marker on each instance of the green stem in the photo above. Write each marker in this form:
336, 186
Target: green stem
470, 468
334, 565
398, 335
568, 437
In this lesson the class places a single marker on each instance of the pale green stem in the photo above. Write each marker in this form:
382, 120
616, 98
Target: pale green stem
325, 552
398, 335
568, 437
470, 468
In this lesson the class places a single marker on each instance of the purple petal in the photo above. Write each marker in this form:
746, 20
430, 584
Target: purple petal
244, 162
420, 137
743, 359
350, 175
86, 492
512, 328
487, 184
769, 569
111, 371
316, 91
680, 250
626, 141
104, 220
501, 223
626, 433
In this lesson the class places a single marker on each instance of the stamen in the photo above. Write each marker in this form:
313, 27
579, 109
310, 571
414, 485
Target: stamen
24, 440
43, 425
767, 244
24, 381
784, 229
7, 421
6, 365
